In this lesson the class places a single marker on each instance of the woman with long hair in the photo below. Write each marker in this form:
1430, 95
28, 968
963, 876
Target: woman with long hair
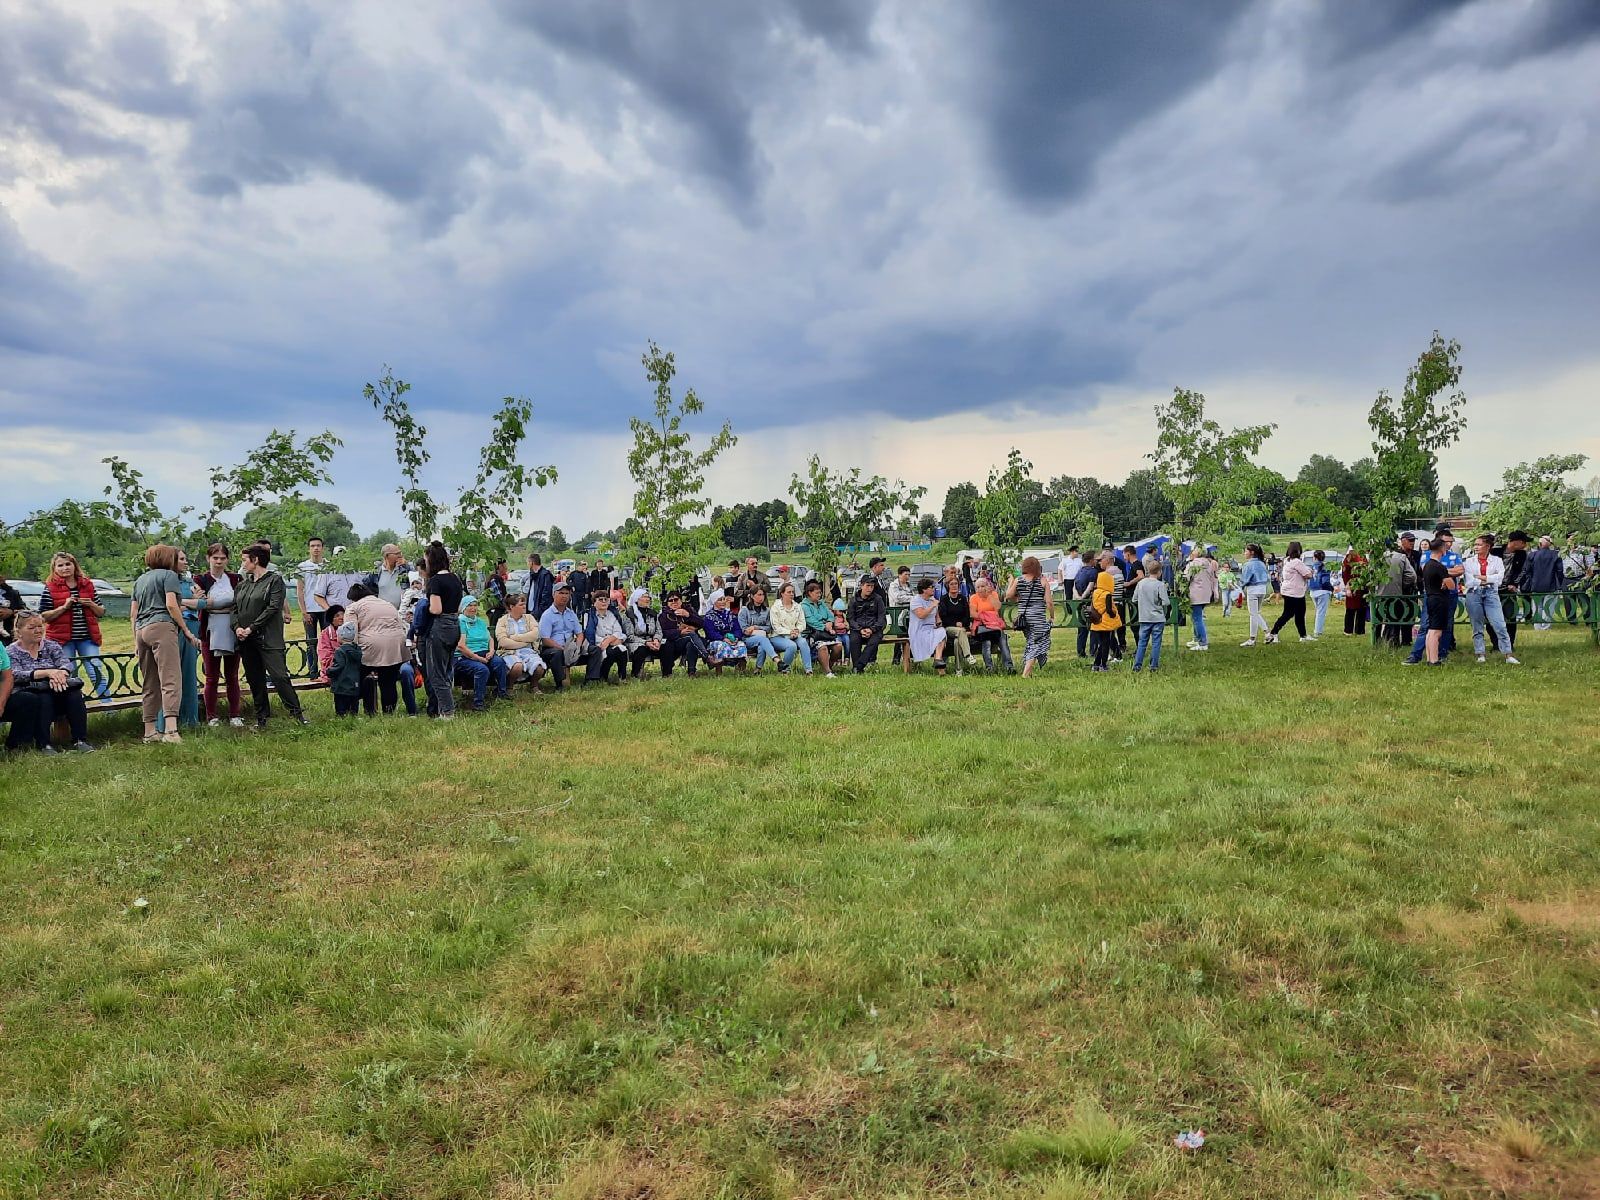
219, 652
442, 632
72, 612
1256, 582
1294, 579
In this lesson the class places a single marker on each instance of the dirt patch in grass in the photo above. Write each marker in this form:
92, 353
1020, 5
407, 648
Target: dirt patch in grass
1577, 914
1484, 1169
1437, 922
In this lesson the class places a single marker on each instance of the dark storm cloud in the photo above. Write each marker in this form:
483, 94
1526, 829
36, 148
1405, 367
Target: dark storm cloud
295, 95
1059, 84
707, 64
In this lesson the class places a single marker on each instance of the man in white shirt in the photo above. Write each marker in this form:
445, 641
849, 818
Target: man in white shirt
313, 610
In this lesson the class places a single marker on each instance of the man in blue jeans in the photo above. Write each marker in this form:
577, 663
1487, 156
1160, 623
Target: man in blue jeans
1082, 589
1150, 598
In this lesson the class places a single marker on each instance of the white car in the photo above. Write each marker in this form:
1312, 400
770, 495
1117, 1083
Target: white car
32, 593
104, 588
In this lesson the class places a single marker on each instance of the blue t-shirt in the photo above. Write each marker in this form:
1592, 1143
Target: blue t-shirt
557, 625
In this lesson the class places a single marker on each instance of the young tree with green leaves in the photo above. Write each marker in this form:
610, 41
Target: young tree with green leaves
669, 477
838, 508
388, 396
1008, 523
132, 502
489, 509
1408, 432
1207, 472
1537, 498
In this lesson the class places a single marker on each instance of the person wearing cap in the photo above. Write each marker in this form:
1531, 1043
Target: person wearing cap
560, 635
516, 637
388, 582
476, 663
344, 673
868, 615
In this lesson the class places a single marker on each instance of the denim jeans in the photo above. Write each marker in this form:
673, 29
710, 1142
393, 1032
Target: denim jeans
1255, 596
789, 647
1321, 600
1483, 605
480, 674
408, 687
1149, 639
763, 647
86, 650
1197, 613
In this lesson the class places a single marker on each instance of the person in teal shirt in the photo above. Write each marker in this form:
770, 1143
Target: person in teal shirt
188, 651
476, 661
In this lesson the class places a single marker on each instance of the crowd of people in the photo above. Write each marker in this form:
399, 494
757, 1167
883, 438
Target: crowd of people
401, 631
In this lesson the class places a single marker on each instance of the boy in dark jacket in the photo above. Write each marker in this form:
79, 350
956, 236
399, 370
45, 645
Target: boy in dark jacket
344, 674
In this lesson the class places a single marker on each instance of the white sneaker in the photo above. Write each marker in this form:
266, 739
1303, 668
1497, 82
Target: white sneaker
1513, 661
1272, 639
1200, 648
830, 675
1481, 658
1249, 642
1194, 645
236, 722
214, 723
1312, 638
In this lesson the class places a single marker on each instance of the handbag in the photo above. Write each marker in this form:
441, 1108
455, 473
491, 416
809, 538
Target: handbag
43, 685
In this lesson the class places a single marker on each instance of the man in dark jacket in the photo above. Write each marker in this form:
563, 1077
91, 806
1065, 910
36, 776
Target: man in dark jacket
868, 616
1082, 588
578, 581
599, 581
540, 587
1543, 574
258, 625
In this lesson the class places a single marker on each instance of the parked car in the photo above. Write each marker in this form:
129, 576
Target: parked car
32, 593
105, 588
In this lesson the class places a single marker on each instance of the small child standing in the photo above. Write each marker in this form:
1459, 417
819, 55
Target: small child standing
1151, 599
345, 674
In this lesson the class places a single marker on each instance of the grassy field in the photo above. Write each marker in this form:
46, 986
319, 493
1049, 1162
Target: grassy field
978, 937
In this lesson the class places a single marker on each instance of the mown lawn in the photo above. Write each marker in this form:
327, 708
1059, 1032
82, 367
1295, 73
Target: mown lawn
880, 937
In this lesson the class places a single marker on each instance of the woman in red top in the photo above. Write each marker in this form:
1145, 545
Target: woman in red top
72, 613
1355, 601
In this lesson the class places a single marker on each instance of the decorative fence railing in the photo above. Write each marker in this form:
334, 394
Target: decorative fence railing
1522, 608
121, 671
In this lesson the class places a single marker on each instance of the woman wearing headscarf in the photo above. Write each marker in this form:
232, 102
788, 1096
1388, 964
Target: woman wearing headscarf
724, 637
1035, 612
644, 634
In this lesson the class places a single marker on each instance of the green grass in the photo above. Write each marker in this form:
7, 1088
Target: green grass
883, 937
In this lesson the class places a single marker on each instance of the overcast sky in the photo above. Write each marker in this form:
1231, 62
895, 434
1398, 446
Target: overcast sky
905, 234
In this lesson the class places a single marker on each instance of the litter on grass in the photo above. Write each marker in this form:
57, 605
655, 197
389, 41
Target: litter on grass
1190, 1139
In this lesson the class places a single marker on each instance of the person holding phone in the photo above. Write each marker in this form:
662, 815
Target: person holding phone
72, 613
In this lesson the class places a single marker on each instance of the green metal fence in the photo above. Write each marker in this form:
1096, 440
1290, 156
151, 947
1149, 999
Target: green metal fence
1574, 608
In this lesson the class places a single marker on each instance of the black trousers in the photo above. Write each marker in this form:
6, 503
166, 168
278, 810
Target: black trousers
864, 650
30, 724
388, 687
643, 654
346, 706
260, 666
1355, 619
1294, 609
65, 706
1083, 640
690, 649
601, 662
556, 661
1102, 640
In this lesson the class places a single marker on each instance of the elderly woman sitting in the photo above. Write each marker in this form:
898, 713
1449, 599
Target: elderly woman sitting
517, 636
475, 662
644, 634
43, 668
724, 635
